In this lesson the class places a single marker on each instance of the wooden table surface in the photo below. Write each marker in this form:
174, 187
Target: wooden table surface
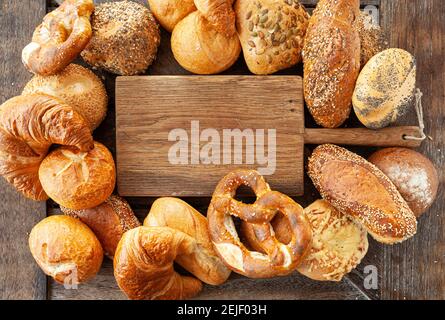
411, 270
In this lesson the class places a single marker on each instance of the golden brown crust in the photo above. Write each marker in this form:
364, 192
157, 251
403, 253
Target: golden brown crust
170, 12
78, 180
359, 189
372, 38
331, 57
65, 249
271, 33
200, 48
220, 15
143, 264
412, 173
109, 221
385, 88
60, 38
279, 259
78, 87
29, 125
204, 263
125, 38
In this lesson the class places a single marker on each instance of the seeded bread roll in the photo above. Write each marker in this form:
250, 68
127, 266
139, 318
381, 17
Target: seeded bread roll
385, 88
359, 189
331, 57
412, 173
109, 221
65, 249
125, 38
78, 87
170, 12
372, 38
271, 33
78, 180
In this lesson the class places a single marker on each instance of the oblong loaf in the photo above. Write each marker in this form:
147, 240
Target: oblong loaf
359, 189
331, 56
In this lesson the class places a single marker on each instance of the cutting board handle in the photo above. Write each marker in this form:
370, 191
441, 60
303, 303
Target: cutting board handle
387, 137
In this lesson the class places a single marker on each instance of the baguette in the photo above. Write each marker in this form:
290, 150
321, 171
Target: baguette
359, 189
331, 57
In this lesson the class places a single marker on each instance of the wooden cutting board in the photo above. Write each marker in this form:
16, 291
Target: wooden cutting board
179, 135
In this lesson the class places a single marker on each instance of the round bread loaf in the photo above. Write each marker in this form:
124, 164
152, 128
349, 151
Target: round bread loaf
125, 38
109, 221
65, 249
412, 173
385, 88
170, 12
78, 180
78, 87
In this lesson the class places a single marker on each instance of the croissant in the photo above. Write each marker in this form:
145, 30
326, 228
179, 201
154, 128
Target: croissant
205, 42
29, 125
177, 214
143, 264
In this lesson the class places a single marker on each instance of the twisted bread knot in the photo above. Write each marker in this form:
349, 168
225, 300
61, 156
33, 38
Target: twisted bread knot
63, 34
278, 259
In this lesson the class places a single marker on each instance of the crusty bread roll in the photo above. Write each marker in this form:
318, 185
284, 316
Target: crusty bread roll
78, 180
359, 189
372, 38
29, 125
201, 48
385, 88
271, 33
177, 214
125, 38
109, 221
412, 173
331, 57
78, 87
170, 12
65, 249
143, 264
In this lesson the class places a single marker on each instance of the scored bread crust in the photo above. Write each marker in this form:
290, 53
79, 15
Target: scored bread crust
109, 221
331, 57
78, 87
359, 189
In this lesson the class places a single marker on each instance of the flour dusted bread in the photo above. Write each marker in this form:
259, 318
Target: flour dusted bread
177, 214
331, 57
109, 221
29, 125
412, 173
78, 180
359, 189
385, 88
271, 33
205, 42
125, 38
78, 87
169, 12
65, 249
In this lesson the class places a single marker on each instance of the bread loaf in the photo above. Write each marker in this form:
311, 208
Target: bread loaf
78, 87
385, 88
412, 173
65, 249
331, 57
78, 180
271, 33
170, 12
359, 189
109, 221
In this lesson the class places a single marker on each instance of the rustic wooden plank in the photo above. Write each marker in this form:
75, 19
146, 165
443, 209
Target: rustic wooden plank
149, 109
414, 269
292, 287
20, 277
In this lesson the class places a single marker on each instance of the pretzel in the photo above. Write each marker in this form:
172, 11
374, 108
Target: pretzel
63, 34
279, 259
